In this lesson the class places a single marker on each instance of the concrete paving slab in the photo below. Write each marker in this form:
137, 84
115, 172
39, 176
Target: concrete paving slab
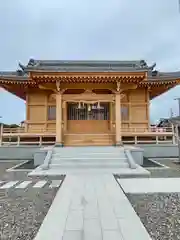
40, 184
150, 185
9, 185
23, 184
68, 215
55, 183
139, 171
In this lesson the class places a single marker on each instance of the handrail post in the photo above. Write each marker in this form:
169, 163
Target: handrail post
1, 134
157, 139
40, 140
18, 140
173, 137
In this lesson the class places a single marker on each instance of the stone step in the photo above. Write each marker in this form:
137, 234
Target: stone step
86, 160
85, 154
76, 150
89, 165
88, 156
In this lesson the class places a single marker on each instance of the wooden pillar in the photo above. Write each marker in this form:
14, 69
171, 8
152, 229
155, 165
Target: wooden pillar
111, 116
118, 118
59, 119
65, 116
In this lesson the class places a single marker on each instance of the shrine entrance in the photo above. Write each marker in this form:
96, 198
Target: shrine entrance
88, 118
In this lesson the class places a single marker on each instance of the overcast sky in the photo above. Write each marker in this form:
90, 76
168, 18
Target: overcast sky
89, 29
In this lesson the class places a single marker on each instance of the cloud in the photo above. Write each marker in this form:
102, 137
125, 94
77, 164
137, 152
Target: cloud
89, 29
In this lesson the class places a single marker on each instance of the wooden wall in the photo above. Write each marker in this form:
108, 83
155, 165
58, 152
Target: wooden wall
37, 103
136, 103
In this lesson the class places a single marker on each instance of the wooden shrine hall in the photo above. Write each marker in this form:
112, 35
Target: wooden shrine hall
87, 102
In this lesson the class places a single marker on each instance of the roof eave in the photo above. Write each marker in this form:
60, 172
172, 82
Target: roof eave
45, 71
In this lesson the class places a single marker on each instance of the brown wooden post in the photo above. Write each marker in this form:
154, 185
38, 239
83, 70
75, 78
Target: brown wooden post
59, 119
111, 116
65, 115
118, 118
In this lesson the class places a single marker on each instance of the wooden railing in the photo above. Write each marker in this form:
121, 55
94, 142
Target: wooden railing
13, 130
145, 130
19, 136
123, 130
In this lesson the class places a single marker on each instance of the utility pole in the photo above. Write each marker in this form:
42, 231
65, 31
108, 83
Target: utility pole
171, 113
178, 128
178, 99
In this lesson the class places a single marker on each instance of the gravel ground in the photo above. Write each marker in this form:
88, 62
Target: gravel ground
19, 175
22, 212
172, 171
5, 165
169, 162
160, 214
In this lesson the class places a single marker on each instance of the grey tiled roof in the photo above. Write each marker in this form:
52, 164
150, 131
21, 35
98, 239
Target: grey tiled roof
86, 66
19, 74
155, 75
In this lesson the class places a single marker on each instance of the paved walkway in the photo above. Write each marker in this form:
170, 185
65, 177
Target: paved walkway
91, 207
25, 184
150, 185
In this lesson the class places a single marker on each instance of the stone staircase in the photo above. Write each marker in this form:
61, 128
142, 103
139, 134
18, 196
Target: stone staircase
89, 160
83, 158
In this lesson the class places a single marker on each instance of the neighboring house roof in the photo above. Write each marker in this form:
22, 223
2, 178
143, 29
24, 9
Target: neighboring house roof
175, 120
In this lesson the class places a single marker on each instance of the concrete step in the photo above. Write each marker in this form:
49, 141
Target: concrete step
84, 157
92, 154
86, 160
89, 165
88, 150
89, 147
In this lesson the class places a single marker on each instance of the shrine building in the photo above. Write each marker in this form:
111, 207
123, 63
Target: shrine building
87, 102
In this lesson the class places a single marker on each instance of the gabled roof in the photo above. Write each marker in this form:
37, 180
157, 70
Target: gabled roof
175, 120
85, 66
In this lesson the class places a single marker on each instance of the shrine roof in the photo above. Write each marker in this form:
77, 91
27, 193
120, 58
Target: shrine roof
16, 75
86, 66
65, 66
156, 75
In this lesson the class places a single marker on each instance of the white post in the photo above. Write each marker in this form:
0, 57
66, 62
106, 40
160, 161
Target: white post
157, 139
40, 140
135, 139
1, 134
173, 137
18, 140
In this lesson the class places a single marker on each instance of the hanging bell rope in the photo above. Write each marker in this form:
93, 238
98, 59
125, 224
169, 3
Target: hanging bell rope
98, 105
89, 107
79, 105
